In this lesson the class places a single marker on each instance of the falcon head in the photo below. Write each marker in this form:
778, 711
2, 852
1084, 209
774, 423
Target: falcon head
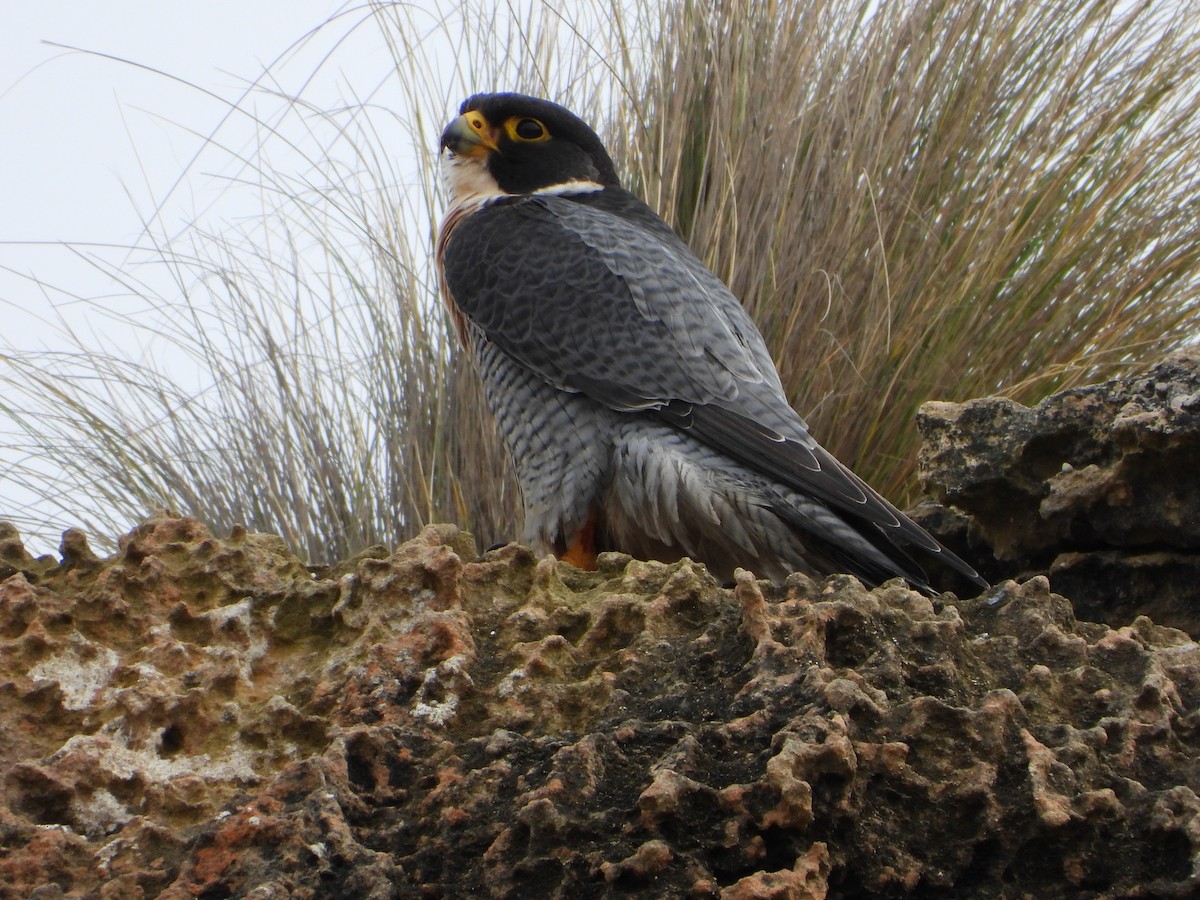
514, 144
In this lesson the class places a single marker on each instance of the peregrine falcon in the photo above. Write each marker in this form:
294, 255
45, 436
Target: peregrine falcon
635, 396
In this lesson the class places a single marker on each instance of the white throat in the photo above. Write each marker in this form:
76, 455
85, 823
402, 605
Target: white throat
467, 180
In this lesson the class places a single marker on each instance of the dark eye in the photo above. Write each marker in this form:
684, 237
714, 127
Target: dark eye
530, 129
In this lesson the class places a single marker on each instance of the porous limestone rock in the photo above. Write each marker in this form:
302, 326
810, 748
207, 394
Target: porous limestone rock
1096, 487
203, 716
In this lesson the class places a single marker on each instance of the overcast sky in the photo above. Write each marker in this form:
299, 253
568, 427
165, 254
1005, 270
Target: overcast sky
71, 120
92, 145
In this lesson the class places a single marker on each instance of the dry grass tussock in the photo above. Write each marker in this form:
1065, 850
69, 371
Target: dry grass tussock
927, 200
947, 200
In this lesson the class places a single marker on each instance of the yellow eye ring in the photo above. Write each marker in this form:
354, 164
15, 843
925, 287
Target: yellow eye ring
526, 130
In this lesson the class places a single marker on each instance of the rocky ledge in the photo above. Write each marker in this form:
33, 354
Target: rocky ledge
1097, 487
203, 716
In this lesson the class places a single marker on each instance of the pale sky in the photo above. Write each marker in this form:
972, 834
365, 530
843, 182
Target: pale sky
91, 145
76, 125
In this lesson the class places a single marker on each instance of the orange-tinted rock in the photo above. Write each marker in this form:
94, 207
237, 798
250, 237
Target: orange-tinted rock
204, 716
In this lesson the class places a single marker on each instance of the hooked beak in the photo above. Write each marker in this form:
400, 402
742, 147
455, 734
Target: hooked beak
470, 135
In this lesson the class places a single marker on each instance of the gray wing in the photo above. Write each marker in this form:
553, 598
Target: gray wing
598, 304
596, 295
